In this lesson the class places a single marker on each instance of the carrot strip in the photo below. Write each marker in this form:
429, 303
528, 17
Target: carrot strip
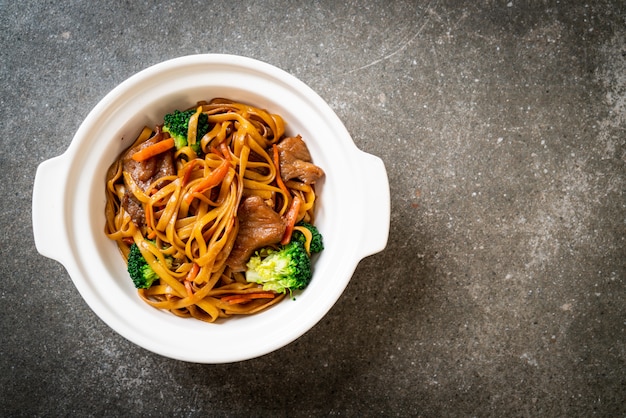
216, 151
279, 179
148, 217
154, 149
225, 150
290, 217
246, 297
193, 272
240, 300
188, 171
188, 288
191, 275
213, 179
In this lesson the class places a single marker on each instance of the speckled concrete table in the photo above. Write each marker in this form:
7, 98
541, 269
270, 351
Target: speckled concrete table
501, 292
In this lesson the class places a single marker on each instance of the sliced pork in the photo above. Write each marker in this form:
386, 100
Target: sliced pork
259, 226
295, 161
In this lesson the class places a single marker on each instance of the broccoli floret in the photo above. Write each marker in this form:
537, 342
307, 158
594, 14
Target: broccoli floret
177, 124
140, 271
317, 243
286, 268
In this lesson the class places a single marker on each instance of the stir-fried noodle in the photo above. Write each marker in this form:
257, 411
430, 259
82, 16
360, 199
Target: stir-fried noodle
185, 222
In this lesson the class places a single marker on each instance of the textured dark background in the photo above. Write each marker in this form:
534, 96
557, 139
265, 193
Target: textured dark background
502, 126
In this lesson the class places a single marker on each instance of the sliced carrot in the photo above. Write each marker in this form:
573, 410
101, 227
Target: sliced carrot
279, 179
216, 151
188, 288
188, 171
191, 275
148, 217
193, 272
239, 300
290, 217
154, 149
213, 179
225, 150
222, 151
246, 297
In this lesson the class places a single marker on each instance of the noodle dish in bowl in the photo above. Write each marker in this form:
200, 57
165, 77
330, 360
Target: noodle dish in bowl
205, 208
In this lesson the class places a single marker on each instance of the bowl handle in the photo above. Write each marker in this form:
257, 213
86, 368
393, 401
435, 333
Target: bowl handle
49, 225
376, 204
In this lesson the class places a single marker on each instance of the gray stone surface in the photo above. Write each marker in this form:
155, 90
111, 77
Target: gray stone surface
501, 292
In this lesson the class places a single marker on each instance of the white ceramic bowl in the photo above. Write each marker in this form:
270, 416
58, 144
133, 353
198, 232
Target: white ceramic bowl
68, 206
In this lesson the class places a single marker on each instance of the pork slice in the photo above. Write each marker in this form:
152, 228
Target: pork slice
134, 208
296, 162
259, 226
145, 173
